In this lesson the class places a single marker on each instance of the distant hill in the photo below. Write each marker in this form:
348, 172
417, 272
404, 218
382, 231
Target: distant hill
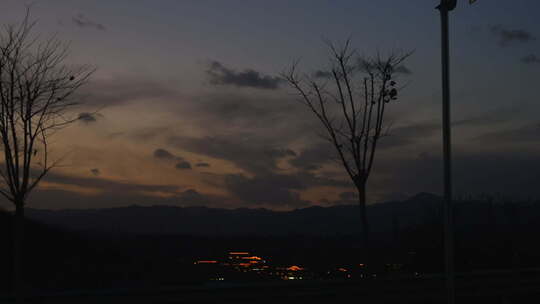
337, 220
151, 245
385, 218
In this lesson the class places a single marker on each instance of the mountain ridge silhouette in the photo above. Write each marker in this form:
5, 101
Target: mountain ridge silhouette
314, 220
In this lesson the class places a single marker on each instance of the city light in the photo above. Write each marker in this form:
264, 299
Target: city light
244, 263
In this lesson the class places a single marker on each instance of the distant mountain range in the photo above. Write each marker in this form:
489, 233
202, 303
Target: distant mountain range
384, 218
336, 220
85, 247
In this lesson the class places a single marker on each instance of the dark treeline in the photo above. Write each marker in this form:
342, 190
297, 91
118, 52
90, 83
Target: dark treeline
490, 234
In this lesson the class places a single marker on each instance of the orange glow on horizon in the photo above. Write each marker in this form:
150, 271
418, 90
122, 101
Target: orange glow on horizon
252, 258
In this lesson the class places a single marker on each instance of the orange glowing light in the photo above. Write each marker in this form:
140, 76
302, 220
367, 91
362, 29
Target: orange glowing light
238, 253
295, 268
206, 262
342, 269
252, 258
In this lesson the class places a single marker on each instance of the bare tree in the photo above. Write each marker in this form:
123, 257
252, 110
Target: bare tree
351, 103
36, 90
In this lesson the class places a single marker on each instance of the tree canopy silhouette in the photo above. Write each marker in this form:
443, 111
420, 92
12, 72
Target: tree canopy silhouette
350, 100
36, 94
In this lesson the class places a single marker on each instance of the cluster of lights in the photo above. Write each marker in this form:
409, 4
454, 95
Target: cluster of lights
244, 261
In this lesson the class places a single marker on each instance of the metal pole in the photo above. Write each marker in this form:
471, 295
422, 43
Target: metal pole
447, 210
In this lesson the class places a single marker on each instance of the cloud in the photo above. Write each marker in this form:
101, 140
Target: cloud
64, 191
95, 171
402, 70
327, 74
237, 112
273, 190
201, 165
83, 22
409, 134
122, 90
526, 134
530, 59
493, 117
234, 109
348, 196
220, 75
514, 174
183, 165
191, 196
164, 154
111, 186
415, 133
314, 157
325, 179
509, 37
231, 111
251, 154
145, 134
277, 189
322, 74
87, 118
64, 199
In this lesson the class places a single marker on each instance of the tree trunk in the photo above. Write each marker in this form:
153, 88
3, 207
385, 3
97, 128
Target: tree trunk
364, 225
18, 241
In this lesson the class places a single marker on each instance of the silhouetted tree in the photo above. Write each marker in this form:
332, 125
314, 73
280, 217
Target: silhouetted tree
36, 87
350, 101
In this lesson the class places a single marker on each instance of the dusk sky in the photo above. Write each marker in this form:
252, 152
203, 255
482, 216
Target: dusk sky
192, 112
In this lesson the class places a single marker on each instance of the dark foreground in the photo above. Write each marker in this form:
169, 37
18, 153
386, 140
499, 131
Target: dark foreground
479, 288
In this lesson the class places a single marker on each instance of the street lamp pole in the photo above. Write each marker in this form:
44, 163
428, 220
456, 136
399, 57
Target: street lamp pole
444, 7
